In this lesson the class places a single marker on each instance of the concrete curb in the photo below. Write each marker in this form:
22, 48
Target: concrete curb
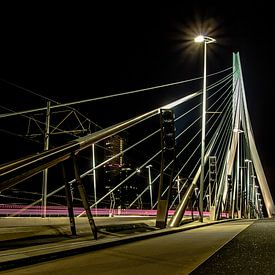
51, 253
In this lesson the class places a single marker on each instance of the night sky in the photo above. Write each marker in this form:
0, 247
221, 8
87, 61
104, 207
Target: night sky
75, 51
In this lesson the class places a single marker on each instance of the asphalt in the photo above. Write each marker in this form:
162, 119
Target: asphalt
250, 252
26, 241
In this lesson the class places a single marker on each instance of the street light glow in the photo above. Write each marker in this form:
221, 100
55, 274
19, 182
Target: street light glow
205, 39
199, 39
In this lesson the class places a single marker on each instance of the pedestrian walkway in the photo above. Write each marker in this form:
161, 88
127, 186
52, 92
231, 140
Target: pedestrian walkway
27, 242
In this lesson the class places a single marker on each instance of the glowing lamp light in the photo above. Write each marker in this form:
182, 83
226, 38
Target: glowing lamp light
205, 39
199, 39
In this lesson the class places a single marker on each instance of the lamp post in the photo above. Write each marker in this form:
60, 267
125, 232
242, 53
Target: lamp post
94, 176
238, 176
253, 194
205, 40
150, 184
248, 161
256, 201
178, 187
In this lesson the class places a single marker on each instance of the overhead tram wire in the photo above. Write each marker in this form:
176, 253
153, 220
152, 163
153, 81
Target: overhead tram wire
35, 120
179, 101
18, 135
38, 121
174, 104
167, 106
215, 84
48, 99
109, 96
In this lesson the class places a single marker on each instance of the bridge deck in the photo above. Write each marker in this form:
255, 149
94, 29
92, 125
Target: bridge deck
17, 253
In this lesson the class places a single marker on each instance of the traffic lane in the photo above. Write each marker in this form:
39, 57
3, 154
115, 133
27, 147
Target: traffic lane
251, 252
177, 253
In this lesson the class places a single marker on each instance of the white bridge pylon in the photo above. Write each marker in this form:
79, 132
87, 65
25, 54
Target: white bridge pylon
241, 124
269, 204
241, 164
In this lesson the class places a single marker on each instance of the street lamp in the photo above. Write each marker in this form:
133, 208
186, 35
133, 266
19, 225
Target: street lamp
205, 40
248, 161
178, 187
238, 181
94, 176
253, 192
150, 184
